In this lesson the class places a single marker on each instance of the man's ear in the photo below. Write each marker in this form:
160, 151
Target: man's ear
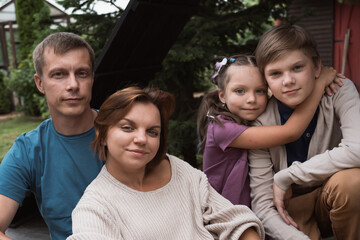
318, 68
221, 96
39, 83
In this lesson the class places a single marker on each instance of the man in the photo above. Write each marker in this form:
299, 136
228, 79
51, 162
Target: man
55, 161
308, 188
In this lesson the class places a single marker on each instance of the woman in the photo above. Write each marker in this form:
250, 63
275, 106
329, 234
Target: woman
142, 193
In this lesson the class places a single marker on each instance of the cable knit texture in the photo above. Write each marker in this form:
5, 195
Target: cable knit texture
186, 208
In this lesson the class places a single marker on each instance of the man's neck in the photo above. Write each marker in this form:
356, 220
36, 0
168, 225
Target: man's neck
74, 125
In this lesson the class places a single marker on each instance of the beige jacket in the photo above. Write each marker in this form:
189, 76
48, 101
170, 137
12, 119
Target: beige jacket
334, 146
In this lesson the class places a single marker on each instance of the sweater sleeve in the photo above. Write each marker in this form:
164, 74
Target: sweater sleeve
91, 222
223, 219
346, 108
261, 183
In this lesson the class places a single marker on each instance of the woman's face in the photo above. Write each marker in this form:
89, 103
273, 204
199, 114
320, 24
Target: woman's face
134, 141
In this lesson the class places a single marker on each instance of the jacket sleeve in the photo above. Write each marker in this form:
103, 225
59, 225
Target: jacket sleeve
223, 219
345, 106
261, 183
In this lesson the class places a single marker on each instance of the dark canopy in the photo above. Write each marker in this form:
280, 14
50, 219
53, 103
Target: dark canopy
138, 44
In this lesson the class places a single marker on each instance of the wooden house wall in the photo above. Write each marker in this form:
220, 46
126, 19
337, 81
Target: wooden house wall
317, 17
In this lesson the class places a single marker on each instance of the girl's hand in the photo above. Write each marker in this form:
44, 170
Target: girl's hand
331, 88
331, 78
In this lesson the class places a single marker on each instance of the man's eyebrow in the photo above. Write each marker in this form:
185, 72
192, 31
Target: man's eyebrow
55, 69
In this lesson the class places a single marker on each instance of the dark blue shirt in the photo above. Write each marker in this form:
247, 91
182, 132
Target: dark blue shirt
298, 150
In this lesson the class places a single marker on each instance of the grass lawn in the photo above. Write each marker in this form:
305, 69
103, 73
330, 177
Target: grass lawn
10, 129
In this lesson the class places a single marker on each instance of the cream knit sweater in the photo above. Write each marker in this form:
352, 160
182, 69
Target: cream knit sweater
186, 208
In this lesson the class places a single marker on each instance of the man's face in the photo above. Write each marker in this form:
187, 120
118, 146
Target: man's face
291, 78
67, 82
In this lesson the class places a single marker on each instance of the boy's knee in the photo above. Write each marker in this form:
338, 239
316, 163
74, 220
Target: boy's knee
343, 189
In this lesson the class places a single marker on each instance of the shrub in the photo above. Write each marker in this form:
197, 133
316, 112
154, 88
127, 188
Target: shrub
21, 81
5, 96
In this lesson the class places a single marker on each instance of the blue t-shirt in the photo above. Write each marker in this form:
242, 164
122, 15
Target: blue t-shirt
55, 167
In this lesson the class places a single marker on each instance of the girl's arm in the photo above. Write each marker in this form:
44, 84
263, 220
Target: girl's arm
249, 234
270, 136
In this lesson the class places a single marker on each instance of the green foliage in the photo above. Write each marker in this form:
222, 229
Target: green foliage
33, 18
220, 28
25, 17
5, 96
42, 105
349, 1
21, 81
94, 28
182, 140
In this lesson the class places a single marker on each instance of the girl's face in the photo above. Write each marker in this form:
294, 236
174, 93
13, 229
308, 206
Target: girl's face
245, 93
134, 141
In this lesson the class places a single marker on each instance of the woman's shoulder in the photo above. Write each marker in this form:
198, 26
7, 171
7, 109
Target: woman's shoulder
101, 188
182, 167
177, 162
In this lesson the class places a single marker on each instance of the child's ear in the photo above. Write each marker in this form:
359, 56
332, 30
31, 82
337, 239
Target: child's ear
318, 68
221, 96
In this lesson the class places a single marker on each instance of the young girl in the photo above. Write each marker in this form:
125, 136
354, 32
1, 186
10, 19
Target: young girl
224, 116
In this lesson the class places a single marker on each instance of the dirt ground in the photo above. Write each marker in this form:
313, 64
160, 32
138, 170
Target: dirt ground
9, 115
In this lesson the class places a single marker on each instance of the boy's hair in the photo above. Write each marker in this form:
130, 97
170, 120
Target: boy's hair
60, 42
120, 103
280, 40
211, 106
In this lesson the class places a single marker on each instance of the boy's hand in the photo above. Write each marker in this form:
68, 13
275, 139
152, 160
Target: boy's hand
281, 199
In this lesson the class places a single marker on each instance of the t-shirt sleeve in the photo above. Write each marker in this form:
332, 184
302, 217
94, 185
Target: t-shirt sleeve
225, 135
15, 171
223, 219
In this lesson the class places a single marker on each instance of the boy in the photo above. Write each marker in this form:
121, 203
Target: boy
313, 182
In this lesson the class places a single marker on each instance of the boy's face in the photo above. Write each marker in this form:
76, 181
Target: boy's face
291, 78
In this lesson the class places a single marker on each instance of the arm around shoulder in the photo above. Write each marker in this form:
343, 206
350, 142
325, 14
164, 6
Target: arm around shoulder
271, 136
342, 111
